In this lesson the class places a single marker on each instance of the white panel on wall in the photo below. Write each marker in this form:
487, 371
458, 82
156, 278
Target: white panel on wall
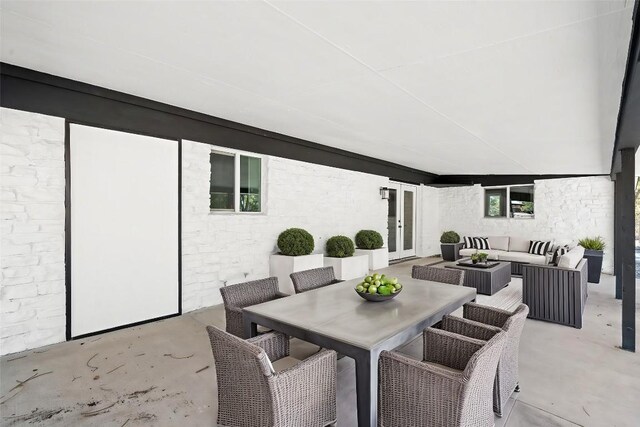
124, 228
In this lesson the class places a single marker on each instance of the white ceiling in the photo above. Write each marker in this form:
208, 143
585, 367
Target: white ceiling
447, 87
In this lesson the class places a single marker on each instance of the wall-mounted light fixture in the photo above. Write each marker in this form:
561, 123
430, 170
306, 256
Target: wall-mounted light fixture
384, 193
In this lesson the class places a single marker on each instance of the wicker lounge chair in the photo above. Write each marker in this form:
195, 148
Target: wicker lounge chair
452, 386
312, 279
251, 394
480, 322
450, 276
235, 297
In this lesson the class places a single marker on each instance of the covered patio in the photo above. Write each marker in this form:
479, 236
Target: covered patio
162, 373
287, 213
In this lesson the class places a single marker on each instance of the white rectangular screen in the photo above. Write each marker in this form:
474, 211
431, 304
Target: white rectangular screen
124, 228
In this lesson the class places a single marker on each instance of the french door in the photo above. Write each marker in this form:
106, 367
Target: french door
402, 220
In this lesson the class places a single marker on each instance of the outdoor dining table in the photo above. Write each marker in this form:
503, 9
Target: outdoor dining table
335, 317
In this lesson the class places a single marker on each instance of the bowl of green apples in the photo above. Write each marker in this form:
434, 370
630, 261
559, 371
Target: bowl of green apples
378, 287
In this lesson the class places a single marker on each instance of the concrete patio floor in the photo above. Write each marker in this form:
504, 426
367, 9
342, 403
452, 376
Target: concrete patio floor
162, 373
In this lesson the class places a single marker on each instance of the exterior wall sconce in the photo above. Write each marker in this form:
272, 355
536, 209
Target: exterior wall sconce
384, 193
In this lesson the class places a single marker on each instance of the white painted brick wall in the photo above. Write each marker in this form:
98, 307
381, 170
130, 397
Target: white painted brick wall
565, 210
231, 248
219, 248
32, 293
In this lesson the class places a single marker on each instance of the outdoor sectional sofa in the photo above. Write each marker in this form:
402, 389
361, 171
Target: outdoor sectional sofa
554, 293
512, 249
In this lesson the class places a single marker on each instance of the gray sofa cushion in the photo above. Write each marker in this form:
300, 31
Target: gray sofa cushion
572, 258
523, 257
500, 243
518, 244
468, 251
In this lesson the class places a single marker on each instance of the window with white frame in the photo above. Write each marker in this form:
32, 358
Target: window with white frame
512, 201
235, 182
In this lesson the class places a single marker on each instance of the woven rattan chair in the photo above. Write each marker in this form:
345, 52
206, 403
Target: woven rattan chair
442, 275
236, 297
480, 322
452, 386
251, 394
312, 279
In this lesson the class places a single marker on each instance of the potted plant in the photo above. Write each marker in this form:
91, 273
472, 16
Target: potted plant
450, 246
340, 250
483, 257
593, 252
295, 247
475, 258
370, 243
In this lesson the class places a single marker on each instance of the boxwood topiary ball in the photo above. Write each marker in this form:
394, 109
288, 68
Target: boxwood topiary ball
369, 239
450, 237
340, 247
295, 242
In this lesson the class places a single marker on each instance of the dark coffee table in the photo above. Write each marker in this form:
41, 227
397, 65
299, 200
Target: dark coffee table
487, 281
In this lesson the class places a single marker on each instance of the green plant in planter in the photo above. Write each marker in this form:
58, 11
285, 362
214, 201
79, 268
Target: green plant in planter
593, 243
340, 247
369, 239
450, 237
475, 258
483, 257
295, 242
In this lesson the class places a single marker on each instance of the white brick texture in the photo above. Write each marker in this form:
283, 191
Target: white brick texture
231, 248
32, 293
566, 210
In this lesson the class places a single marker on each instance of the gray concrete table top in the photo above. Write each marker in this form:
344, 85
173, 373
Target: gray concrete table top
339, 312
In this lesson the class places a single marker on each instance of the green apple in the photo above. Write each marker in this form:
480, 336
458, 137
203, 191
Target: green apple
360, 288
368, 279
384, 290
398, 286
373, 289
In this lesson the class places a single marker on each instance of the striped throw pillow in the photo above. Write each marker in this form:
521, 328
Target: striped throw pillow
561, 250
481, 243
537, 247
468, 242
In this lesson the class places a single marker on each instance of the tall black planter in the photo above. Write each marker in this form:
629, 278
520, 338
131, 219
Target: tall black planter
594, 265
450, 251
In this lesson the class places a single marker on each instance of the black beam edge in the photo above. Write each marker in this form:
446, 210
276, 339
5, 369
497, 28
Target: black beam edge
29, 90
491, 180
37, 92
628, 125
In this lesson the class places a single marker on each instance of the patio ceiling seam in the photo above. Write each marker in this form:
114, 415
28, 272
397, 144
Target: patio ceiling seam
505, 41
398, 86
210, 81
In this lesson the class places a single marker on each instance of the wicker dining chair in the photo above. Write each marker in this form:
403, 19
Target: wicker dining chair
451, 276
478, 322
252, 394
312, 279
236, 297
452, 386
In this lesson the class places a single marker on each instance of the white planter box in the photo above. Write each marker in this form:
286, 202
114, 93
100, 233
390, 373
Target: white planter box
378, 258
282, 266
353, 267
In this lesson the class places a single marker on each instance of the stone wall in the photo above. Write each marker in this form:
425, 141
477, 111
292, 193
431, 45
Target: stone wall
32, 294
566, 210
221, 249
225, 248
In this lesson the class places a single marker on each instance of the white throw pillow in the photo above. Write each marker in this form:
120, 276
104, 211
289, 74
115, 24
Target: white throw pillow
518, 244
572, 258
500, 243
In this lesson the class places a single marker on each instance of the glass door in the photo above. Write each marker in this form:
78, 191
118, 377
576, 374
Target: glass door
402, 221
